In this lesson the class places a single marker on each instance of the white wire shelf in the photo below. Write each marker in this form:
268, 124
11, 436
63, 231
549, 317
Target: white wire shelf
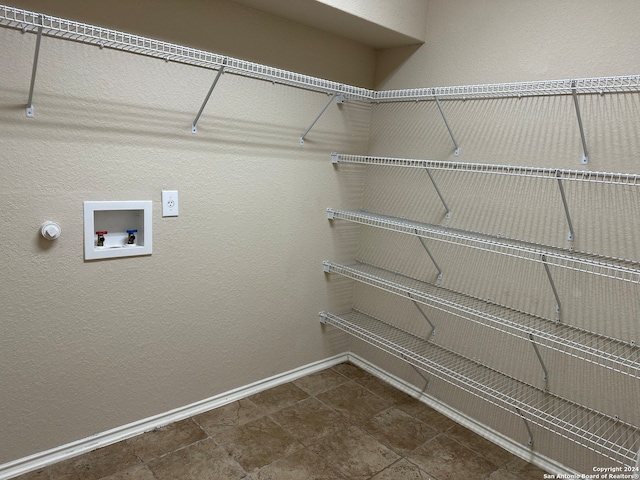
597, 85
29, 21
105, 38
603, 434
511, 170
613, 354
608, 267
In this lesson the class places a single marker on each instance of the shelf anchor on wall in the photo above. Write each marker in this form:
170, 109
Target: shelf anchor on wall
30, 112
553, 285
585, 155
433, 328
456, 152
338, 98
194, 125
526, 424
429, 253
570, 235
435, 185
545, 373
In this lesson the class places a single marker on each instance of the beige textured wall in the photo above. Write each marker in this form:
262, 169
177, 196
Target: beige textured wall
493, 41
232, 291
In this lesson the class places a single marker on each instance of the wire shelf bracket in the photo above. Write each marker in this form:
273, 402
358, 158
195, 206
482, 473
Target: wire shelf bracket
526, 425
545, 373
435, 185
570, 235
433, 327
30, 111
553, 286
337, 98
424, 245
574, 93
194, 125
456, 152
424, 377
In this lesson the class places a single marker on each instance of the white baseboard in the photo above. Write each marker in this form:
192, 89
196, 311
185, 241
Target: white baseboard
64, 452
85, 445
519, 450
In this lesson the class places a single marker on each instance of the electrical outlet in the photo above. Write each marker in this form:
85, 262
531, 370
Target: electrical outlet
169, 203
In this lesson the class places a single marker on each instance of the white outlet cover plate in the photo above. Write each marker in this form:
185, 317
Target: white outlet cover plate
169, 203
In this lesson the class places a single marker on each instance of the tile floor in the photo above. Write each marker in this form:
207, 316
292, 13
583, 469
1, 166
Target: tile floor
340, 423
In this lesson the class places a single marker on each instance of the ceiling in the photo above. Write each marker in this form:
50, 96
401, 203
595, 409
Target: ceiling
324, 17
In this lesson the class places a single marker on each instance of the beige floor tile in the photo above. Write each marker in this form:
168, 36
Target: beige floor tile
301, 465
309, 420
41, 474
166, 439
278, 397
524, 470
354, 454
398, 430
492, 452
202, 461
97, 464
258, 443
446, 459
504, 474
383, 389
427, 414
233, 414
349, 370
353, 401
139, 472
320, 381
402, 470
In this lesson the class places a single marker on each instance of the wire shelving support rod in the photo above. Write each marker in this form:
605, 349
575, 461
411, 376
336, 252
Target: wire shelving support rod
424, 377
30, 111
588, 176
456, 152
574, 93
426, 249
335, 97
194, 125
611, 353
526, 425
596, 431
553, 285
570, 235
432, 332
435, 186
545, 373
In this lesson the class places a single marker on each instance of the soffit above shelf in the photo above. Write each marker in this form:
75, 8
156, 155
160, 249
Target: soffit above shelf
393, 24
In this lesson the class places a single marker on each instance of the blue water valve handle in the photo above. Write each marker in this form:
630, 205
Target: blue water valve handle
131, 238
